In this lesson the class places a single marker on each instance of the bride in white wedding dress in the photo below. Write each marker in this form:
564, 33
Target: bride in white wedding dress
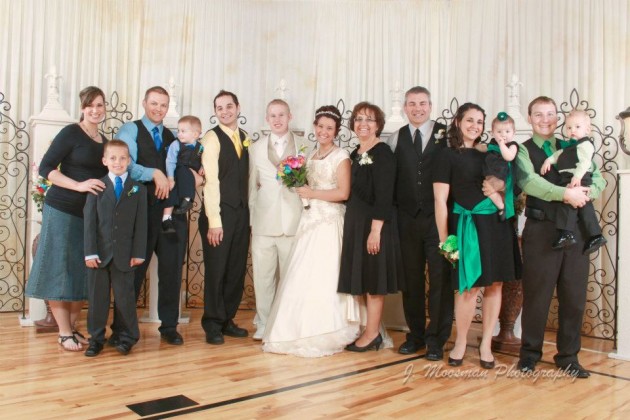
308, 317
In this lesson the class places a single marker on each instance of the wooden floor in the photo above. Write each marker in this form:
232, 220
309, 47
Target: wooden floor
39, 380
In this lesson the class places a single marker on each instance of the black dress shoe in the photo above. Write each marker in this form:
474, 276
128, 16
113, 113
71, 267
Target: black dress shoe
576, 370
374, 344
123, 348
434, 354
593, 244
172, 337
215, 338
410, 347
526, 365
183, 207
168, 227
232, 330
565, 240
113, 340
94, 349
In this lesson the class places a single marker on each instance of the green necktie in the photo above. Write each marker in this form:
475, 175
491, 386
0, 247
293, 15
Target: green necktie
567, 143
468, 242
547, 148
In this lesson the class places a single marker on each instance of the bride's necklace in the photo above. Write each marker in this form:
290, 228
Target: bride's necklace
320, 157
93, 136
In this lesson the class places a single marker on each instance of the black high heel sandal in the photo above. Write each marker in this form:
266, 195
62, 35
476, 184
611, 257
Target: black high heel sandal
374, 344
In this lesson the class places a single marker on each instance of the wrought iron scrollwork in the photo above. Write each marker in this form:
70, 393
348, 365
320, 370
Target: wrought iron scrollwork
600, 312
116, 114
14, 204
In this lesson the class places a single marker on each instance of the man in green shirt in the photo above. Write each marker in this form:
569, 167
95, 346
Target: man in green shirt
546, 269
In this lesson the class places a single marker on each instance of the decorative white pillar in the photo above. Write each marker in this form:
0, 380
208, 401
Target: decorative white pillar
44, 127
281, 90
172, 115
395, 120
623, 269
513, 109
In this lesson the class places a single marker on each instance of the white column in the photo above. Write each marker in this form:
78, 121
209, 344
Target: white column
44, 127
623, 269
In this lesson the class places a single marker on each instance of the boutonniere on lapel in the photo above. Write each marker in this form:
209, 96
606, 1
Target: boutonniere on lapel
439, 135
247, 142
200, 150
133, 190
365, 159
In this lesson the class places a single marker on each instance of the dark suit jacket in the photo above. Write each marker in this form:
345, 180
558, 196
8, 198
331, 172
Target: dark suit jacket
414, 173
116, 230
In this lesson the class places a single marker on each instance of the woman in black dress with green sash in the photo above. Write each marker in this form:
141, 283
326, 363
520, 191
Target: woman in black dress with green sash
485, 243
371, 263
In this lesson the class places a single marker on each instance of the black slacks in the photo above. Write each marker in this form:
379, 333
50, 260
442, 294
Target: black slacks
100, 281
546, 270
225, 267
419, 244
170, 251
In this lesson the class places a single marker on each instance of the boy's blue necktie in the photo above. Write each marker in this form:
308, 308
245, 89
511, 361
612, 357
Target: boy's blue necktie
118, 188
156, 138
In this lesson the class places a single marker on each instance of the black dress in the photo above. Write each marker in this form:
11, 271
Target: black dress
462, 170
371, 197
494, 164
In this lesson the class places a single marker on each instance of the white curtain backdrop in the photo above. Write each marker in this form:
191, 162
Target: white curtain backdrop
326, 50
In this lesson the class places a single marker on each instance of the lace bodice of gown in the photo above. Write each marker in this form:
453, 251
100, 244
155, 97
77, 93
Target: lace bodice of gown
322, 175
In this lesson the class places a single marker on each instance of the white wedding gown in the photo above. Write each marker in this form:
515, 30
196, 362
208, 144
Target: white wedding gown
308, 317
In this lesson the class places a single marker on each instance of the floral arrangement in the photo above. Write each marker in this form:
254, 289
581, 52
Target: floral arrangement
247, 142
133, 190
292, 173
365, 159
439, 134
448, 248
39, 190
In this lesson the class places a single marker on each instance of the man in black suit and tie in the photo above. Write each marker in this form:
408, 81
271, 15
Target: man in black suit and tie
416, 147
115, 240
148, 141
224, 220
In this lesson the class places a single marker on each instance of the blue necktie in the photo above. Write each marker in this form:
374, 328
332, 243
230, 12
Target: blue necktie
118, 188
156, 138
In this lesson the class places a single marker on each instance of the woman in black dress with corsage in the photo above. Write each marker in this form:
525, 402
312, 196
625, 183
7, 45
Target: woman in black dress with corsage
371, 263
485, 243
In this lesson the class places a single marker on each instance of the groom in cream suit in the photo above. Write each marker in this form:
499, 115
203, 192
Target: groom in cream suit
275, 210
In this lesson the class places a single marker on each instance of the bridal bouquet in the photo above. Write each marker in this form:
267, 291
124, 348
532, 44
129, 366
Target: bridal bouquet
292, 173
448, 248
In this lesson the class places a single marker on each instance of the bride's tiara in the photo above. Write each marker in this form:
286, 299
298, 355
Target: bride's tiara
332, 114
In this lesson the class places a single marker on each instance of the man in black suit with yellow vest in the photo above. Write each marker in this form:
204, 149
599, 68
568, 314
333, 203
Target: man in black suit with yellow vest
417, 147
148, 141
224, 220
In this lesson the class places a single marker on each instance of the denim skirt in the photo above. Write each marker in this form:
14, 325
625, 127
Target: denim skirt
59, 271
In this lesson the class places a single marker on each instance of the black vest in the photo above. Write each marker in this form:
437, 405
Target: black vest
233, 172
189, 157
414, 174
537, 156
149, 156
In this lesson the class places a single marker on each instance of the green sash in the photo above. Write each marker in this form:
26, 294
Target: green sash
468, 242
509, 186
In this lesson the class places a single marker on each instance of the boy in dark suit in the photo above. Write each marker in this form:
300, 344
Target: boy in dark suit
115, 242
